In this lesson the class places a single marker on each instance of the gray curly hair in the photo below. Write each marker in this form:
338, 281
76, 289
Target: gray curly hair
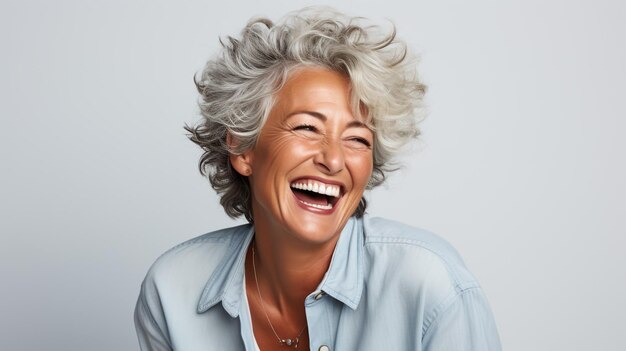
238, 87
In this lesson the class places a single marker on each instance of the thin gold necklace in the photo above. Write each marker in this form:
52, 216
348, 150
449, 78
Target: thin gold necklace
285, 342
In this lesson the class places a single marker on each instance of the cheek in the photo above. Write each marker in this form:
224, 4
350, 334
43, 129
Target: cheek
281, 152
362, 165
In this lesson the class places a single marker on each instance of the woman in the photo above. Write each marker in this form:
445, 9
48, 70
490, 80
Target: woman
299, 119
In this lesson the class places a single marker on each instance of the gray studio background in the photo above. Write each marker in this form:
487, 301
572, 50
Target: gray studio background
521, 165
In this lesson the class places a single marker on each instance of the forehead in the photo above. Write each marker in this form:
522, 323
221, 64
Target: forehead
315, 88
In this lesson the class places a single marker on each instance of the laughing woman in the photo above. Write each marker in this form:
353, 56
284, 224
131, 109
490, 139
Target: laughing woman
299, 119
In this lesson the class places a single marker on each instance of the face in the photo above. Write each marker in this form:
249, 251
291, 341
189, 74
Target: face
312, 161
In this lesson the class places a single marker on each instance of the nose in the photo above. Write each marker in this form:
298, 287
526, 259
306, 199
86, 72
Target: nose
330, 158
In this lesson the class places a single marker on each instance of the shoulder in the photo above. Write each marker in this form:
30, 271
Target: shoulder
427, 276
174, 283
189, 265
422, 260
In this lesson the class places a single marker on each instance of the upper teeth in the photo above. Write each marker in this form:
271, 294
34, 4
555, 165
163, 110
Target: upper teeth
317, 187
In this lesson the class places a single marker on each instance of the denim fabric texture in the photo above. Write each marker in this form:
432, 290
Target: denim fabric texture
389, 287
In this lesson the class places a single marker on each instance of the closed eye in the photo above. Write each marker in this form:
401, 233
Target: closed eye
306, 127
362, 141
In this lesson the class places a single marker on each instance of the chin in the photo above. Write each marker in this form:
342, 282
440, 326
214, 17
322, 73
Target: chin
316, 228
292, 215
315, 232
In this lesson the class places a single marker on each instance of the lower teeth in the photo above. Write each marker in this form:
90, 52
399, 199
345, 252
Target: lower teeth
321, 207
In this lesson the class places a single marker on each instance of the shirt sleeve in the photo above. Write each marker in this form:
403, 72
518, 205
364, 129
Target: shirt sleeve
150, 321
464, 324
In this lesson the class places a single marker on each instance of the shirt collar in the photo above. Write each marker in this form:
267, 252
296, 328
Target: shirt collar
343, 280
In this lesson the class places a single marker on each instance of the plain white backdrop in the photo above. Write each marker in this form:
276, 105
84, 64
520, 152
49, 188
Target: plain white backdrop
521, 165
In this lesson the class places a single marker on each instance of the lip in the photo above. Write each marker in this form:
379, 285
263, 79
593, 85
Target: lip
342, 191
315, 209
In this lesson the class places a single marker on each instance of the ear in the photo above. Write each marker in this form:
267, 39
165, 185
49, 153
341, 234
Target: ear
242, 163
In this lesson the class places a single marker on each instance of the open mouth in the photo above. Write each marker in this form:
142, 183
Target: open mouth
316, 194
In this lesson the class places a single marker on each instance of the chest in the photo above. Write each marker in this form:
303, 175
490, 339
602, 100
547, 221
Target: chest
381, 322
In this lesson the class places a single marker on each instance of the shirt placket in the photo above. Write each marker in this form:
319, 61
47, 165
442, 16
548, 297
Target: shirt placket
317, 308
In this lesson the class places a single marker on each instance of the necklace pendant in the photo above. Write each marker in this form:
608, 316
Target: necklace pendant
290, 342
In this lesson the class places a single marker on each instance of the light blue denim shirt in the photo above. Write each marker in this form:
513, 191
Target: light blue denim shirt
389, 287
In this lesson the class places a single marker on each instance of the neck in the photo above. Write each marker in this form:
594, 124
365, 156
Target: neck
288, 269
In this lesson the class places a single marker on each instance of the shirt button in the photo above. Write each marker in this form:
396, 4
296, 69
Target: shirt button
324, 348
318, 296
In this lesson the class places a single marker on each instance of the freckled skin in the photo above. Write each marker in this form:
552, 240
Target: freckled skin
310, 132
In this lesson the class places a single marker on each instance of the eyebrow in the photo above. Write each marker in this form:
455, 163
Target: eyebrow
352, 124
